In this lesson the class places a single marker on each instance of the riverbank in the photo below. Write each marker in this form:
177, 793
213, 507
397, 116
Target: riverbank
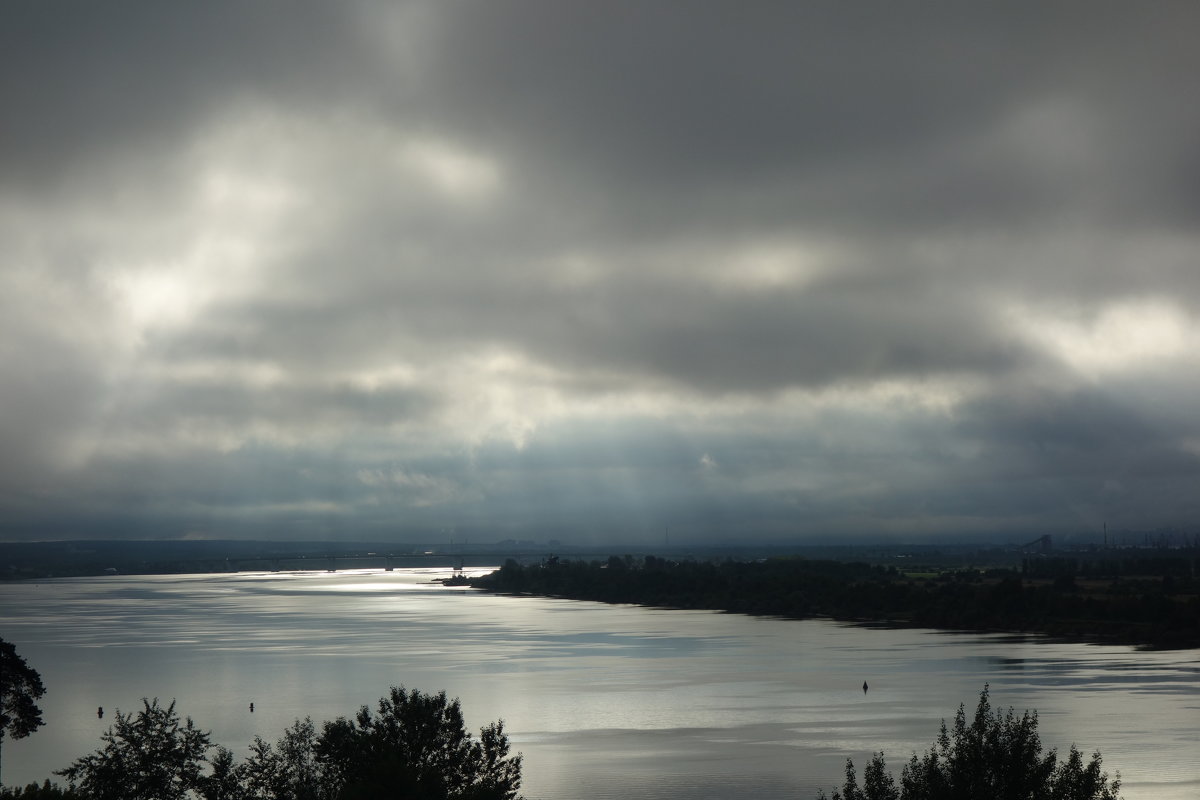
1158, 612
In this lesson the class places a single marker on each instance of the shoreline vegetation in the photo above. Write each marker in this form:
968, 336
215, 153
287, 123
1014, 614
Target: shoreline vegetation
1148, 597
413, 745
1151, 603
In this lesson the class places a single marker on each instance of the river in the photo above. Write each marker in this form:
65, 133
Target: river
603, 701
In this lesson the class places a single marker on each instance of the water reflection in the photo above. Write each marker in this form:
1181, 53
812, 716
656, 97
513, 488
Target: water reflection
605, 701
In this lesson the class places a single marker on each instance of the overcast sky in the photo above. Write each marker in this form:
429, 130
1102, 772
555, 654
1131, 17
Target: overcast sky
753, 272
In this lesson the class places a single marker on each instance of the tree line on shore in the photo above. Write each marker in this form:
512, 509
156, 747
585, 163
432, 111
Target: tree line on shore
1152, 612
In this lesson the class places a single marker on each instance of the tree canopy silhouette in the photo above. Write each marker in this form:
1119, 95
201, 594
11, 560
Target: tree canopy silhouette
20, 688
414, 745
150, 755
995, 756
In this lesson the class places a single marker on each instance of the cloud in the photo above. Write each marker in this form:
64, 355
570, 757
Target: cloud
588, 271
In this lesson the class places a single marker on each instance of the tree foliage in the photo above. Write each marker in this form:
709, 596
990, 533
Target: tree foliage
993, 755
150, 755
287, 770
20, 688
414, 746
33, 791
1162, 613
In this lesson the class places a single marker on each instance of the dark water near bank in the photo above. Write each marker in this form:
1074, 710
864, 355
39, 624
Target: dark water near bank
604, 701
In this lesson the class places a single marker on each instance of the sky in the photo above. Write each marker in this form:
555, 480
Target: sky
599, 272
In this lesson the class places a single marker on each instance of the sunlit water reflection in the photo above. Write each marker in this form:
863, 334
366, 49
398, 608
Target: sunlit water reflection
604, 701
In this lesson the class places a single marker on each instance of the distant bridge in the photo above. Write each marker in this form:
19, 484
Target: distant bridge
1043, 543
290, 562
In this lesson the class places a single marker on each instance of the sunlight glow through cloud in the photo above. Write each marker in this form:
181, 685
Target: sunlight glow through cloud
452, 171
1123, 336
769, 266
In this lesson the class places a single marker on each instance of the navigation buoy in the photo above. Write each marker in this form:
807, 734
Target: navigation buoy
252, 708
864, 687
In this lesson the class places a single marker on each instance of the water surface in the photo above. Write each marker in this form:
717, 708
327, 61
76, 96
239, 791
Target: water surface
604, 701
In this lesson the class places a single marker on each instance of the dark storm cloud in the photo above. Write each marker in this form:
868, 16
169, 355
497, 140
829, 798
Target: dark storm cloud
719, 98
786, 339
646, 328
723, 90
209, 403
581, 270
123, 79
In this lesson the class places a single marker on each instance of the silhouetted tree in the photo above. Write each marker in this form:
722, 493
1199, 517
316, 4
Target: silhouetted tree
147, 756
32, 791
994, 756
224, 782
877, 781
416, 746
286, 771
20, 687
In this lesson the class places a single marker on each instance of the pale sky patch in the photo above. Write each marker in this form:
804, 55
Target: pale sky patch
769, 266
452, 171
1124, 336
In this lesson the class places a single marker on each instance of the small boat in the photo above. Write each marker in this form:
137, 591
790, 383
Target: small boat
457, 578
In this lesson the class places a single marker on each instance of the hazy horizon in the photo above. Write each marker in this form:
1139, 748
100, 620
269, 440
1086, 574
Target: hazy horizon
753, 274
